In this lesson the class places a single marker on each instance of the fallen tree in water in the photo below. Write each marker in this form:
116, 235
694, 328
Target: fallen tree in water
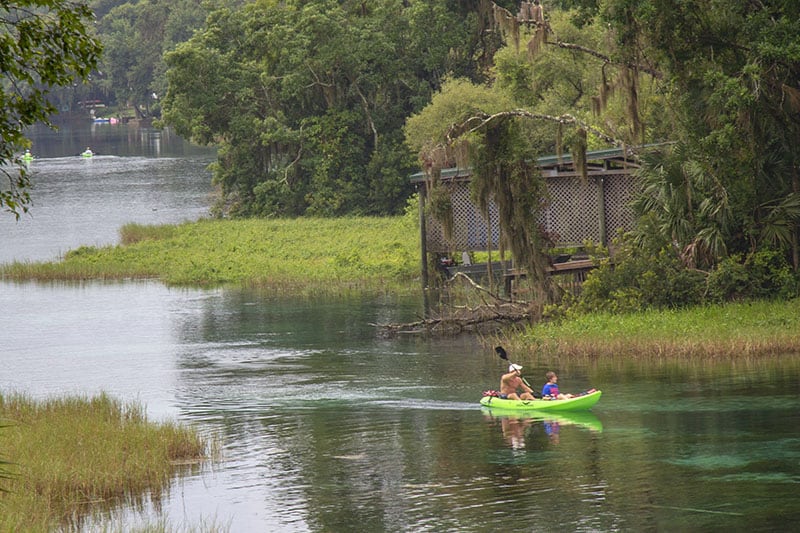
490, 313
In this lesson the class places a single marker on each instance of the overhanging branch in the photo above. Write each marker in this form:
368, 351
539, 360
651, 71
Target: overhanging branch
634, 66
482, 120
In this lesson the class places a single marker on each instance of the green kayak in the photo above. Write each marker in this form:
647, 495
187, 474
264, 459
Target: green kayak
578, 403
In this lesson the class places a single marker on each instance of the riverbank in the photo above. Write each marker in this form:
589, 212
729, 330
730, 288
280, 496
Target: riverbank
302, 256
334, 257
63, 459
731, 331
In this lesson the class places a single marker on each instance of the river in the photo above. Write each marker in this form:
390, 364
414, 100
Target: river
326, 425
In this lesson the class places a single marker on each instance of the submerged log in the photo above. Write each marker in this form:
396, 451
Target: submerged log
494, 312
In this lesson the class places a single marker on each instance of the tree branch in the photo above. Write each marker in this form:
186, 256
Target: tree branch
482, 120
635, 66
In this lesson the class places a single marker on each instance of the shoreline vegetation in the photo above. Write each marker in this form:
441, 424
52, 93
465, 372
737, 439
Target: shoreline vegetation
65, 459
321, 257
742, 330
303, 256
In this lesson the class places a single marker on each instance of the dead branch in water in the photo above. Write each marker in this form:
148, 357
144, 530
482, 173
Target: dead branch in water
493, 313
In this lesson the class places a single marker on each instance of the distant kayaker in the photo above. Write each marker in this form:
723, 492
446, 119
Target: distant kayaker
550, 390
512, 382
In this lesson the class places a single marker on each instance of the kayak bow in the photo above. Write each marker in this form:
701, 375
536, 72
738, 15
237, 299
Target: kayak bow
578, 403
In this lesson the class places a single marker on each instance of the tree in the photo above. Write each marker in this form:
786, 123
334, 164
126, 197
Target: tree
728, 76
307, 99
43, 44
548, 95
734, 73
136, 37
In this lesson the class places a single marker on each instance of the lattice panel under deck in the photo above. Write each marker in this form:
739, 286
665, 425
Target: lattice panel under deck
469, 227
572, 214
619, 193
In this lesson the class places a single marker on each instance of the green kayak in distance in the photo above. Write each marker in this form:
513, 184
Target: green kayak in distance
578, 403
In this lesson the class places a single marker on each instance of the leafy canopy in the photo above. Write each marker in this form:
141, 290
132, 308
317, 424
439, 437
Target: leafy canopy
306, 99
43, 44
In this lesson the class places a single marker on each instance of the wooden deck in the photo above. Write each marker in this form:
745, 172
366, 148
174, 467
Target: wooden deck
579, 267
502, 273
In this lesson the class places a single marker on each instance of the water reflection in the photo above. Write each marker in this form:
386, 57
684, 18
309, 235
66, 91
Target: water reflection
517, 425
325, 424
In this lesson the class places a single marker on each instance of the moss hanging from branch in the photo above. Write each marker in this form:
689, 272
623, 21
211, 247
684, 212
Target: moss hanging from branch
606, 89
433, 158
440, 206
559, 141
579, 146
629, 80
504, 169
506, 23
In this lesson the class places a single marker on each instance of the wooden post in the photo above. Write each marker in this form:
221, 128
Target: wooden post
601, 210
423, 241
796, 229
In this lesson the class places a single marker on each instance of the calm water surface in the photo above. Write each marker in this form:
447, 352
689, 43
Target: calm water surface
326, 425
138, 175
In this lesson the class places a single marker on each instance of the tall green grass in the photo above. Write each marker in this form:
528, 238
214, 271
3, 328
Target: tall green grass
294, 256
742, 330
68, 457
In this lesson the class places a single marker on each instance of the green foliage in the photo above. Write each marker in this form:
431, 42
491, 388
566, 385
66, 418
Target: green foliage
306, 100
729, 81
136, 35
457, 100
43, 44
501, 127
684, 203
294, 256
638, 280
764, 274
68, 452
733, 88
514, 75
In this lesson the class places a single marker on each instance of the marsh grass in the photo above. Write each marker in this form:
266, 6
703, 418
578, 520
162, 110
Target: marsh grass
739, 331
297, 256
67, 457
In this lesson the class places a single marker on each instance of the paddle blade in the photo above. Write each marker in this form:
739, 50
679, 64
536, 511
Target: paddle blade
501, 352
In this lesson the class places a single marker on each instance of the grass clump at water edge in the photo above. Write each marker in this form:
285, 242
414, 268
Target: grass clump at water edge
66, 458
293, 256
738, 330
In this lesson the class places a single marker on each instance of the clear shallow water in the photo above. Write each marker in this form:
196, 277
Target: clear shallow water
327, 426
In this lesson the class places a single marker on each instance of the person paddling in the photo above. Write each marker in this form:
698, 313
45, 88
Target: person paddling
550, 390
511, 382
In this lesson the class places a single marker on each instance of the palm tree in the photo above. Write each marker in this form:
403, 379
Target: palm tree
684, 205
